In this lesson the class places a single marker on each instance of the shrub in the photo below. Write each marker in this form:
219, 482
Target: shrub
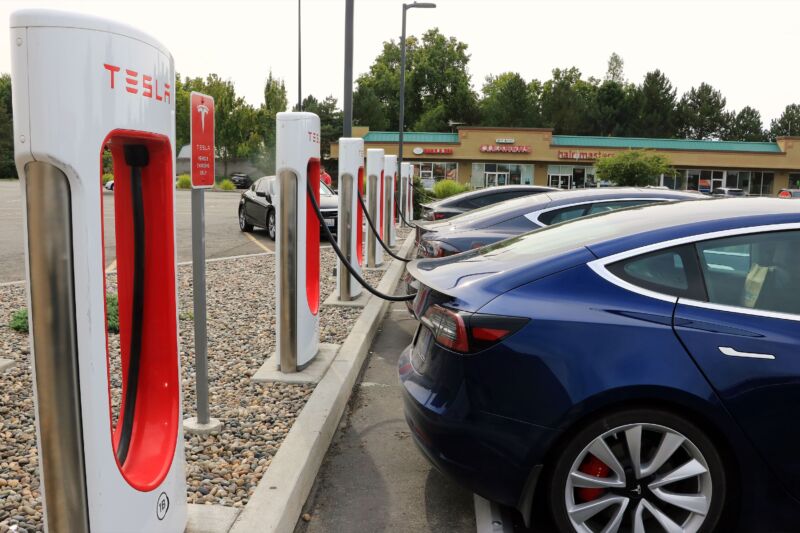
112, 313
19, 321
184, 182
226, 185
447, 187
108, 176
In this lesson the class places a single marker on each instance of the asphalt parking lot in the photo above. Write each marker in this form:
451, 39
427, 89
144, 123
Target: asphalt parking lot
223, 238
374, 478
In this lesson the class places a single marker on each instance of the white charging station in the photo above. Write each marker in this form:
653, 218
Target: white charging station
407, 187
81, 85
297, 240
390, 174
351, 229
374, 201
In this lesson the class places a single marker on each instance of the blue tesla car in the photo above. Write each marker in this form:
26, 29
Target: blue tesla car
637, 371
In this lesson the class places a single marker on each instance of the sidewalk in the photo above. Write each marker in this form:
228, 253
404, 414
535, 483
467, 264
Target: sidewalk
373, 478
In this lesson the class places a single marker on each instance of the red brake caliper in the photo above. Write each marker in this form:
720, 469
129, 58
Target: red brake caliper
594, 467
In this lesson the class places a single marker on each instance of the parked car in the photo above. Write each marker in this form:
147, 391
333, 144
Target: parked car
727, 191
515, 217
635, 373
467, 201
257, 206
109, 185
241, 180
789, 193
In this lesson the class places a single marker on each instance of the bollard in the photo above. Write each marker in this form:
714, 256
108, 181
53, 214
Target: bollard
83, 84
375, 160
389, 183
297, 240
351, 230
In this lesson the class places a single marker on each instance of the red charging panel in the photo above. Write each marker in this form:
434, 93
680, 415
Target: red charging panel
312, 239
380, 208
359, 219
155, 426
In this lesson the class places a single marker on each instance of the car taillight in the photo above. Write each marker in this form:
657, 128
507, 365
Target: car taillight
784, 194
438, 216
468, 332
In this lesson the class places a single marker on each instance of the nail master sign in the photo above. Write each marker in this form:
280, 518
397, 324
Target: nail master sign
202, 140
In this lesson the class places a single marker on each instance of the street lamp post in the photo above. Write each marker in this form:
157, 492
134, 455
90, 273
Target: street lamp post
406, 7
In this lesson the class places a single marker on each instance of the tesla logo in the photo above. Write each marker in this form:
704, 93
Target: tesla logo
135, 83
203, 110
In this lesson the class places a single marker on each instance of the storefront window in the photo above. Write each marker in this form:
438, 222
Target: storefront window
429, 173
692, 180
761, 183
571, 177
794, 181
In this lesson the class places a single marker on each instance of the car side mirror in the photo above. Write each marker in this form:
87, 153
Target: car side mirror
261, 194
269, 198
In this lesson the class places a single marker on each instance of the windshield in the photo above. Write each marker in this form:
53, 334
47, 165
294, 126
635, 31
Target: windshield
324, 190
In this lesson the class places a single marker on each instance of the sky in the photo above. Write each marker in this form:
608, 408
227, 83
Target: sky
746, 49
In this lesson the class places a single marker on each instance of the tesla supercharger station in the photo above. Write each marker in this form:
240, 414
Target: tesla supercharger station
406, 187
351, 229
80, 85
390, 174
375, 162
297, 242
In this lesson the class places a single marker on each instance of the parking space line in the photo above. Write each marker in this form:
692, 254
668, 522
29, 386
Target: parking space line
489, 517
258, 243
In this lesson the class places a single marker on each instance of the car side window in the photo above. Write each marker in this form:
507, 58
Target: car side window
261, 186
604, 207
562, 215
756, 271
672, 271
478, 201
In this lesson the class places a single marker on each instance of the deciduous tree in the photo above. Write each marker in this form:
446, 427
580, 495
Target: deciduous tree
633, 168
507, 101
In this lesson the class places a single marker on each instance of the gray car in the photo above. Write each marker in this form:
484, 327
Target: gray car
467, 201
515, 217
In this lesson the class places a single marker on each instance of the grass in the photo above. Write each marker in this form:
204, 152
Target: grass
19, 318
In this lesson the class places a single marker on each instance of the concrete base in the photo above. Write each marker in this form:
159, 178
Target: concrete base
359, 301
5, 364
312, 373
383, 266
210, 518
192, 426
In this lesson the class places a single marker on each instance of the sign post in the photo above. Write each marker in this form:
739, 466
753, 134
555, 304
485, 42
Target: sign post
201, 131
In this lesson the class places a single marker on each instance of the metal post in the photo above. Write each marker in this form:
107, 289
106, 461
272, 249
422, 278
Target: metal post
402, 88
287, 233
199, 290
372, 206
299, 62
345, 235
388, 208
347, 106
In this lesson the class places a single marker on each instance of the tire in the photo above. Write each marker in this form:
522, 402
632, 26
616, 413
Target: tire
271, 227
243, 225
582, 479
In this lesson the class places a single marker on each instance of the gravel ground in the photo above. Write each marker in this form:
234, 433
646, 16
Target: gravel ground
222, 469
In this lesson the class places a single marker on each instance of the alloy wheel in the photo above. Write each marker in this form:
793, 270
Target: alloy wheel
639, 478
271, 224
242, 221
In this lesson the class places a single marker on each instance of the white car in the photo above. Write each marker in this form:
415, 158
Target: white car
109, 186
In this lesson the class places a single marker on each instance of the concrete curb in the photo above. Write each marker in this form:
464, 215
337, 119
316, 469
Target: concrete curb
279, 498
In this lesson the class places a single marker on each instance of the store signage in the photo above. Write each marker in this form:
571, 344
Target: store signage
570, 154
507, 140
201, 128
432, 151
503, 148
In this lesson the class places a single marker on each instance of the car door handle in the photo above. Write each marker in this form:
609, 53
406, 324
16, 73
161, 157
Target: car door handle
727, 350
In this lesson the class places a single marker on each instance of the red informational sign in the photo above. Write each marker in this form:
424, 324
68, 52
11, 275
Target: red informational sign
201, 127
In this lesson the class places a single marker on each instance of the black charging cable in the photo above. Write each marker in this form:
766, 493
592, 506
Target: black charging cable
345, 262
402, 216
136, 157
377, 234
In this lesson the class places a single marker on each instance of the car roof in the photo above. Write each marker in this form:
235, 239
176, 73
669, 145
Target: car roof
447, 202
636, 227
500, 212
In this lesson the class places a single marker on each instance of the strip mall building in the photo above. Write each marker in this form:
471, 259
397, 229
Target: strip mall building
485, 157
